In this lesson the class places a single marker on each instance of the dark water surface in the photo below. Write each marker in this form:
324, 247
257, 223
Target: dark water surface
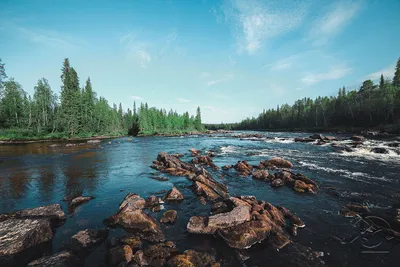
33, 175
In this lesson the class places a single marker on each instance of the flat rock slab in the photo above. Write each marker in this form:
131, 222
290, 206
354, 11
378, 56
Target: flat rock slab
52, 212
61, 259
17, 235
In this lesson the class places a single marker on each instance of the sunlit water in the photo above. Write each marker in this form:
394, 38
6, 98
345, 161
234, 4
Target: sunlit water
34, 174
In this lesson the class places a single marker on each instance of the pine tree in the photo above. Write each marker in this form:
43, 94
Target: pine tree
396, 78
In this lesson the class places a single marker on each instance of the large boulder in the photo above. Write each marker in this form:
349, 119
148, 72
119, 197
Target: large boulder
119, 254
85, 241
61, 259
132, 202
139, 222
53, 212
209, 225
155, 255
19, 235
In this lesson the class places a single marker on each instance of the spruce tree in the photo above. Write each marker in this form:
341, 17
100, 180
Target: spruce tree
396, 78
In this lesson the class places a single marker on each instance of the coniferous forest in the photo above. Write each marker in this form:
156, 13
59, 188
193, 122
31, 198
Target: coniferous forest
78, 112
372, 106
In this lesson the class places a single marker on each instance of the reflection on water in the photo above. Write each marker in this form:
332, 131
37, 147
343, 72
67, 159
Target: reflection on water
38, 174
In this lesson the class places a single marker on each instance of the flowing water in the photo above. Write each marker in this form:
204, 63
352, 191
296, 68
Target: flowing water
35, 174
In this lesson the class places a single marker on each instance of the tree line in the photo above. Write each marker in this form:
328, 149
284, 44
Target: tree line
370, 106
78, 112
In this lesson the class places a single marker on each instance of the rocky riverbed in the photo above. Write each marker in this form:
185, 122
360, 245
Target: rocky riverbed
223, 200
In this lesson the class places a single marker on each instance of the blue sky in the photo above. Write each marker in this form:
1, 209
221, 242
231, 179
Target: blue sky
231, 58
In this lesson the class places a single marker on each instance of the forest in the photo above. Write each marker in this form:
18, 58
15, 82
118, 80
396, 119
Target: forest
77, 112
372, 106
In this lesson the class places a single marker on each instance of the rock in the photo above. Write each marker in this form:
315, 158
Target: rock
133, 241
154, 203
277, 162
162, 179
60, 259
19, 235
191, 258
131, 217
86, 241
278, 240
169, 216
202, 190
302, 187
220, 207
206, 179
277, 183
330, 138
95, 141
53, 212
394, 144
245, 235
79, 201
243, 168
304, 139
227, 167
317, 137
380, 150
260, 174
119, 254
351, 210
209, 225
155, 255
174, 195
194, 152
358, 138
297, 255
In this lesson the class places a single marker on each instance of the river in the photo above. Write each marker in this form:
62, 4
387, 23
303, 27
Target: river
35, 174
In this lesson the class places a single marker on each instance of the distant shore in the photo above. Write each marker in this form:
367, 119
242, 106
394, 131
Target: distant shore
28, 141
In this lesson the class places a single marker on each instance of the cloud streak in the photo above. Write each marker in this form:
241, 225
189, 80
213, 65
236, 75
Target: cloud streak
135, 97
255, 22
333, 22
225, 78
137, 51
334, 73
387, 72
182, 100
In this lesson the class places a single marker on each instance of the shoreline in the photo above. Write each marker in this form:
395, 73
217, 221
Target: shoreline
29, 141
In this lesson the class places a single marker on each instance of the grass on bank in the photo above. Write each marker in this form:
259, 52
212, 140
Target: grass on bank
27, 135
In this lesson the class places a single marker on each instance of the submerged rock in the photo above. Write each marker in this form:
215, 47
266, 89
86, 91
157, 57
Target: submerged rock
380, 150
85, 241
78, 201
358, 138
174, 195
169, 216
18, 235
304, 139
60, 259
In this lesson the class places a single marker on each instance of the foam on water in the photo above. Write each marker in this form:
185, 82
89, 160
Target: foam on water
280, 140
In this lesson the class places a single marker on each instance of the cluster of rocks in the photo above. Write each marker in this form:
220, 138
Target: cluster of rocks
298, 182
244, 221
251, 136
205, 161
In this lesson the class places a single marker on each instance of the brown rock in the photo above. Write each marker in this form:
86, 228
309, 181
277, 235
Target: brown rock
358, 138
277, 183
85, 241
119, 254
278, 240
60, 259
278, 162
79, 201
245, 235
169, 216
132, 241
191, 258
53, 212
174, 195
260, 174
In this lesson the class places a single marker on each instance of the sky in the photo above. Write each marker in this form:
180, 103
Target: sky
232, 58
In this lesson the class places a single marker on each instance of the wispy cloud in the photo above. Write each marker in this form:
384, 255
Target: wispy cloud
169, 41
226, 77
182, 100
136, 50
204, 75
256, 21
334, 73
45, 37
387, 72
135, 97
333, 22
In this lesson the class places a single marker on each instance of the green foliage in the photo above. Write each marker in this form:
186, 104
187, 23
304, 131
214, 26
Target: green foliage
78, 112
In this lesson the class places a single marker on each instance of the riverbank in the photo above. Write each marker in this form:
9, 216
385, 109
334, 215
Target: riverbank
28, 141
